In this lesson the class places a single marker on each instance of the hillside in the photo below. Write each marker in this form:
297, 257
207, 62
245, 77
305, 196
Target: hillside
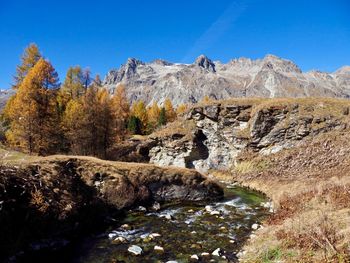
296, 151
189, 83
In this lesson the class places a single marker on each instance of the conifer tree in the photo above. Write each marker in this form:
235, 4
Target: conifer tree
29, 58
162, 117
32, 112
72, 88
121, 110
169, 110
134, 125
181, 109
139, 110
153, 116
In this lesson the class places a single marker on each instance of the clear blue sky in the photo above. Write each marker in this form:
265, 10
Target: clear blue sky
314, 34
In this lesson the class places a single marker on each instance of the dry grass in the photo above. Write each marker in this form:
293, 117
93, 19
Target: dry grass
310, 188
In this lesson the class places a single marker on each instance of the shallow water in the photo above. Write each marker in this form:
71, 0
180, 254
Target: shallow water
182, 230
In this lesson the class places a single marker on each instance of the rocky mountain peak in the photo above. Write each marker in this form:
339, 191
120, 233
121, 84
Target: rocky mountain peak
161, 62
343, 70
272, 62
204, 62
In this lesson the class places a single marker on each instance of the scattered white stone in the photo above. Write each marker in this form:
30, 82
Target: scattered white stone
255, 226
125, 226
205, 254
222, 228
221, 217
142, 208
112, 235
136, 250
195, 257
154, 235
252, 236
214, 213
224, 257
190, 211
208, 208
156, 206
167, 216
120, 240
193, 232
159, 248
232, 241
217, 252
171, 261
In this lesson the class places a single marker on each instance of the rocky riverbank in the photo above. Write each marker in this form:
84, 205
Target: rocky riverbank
49, 201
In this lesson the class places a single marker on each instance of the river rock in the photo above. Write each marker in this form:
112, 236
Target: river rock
125, 227
215, 213
208, 208
155, 235
194, 258
119, 240
156, 206
217, 252
205, 254
159, 249
255, 226
136, 250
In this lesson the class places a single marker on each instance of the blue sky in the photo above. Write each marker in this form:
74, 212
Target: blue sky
102, 35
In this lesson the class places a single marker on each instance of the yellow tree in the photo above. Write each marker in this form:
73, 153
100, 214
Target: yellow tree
206, 99
32, 112
181, 109
153, 113
72, 88
88, 123
29, 58
120, 108
74, 123
169, 110
139, 111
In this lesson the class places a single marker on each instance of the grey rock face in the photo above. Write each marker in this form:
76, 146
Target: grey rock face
4, 96
189, 83
204, 62
224, 131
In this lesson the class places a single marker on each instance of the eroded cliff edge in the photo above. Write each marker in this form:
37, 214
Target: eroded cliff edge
213, 135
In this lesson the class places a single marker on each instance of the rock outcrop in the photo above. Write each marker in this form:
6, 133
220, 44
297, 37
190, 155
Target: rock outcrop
223, 130
189, 83
60, 197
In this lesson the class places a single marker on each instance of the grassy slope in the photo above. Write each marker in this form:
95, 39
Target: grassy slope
310, 188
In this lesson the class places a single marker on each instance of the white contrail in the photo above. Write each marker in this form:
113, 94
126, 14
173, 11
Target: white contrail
216, 30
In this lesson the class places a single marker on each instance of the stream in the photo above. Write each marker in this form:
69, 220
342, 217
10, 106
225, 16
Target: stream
190, 232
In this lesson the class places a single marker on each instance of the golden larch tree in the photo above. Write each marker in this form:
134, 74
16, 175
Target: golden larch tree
169, 110
120, 108
32, 112
29, 58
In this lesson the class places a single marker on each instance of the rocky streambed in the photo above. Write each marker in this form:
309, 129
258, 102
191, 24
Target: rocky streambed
188, 232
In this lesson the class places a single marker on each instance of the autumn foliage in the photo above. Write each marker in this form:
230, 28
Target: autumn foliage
79, 116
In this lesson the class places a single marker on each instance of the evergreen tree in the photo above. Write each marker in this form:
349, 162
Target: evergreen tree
134, 125
29, 58
162, 117
139, 110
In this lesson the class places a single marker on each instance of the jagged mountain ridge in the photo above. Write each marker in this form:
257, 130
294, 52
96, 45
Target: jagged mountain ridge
243, 77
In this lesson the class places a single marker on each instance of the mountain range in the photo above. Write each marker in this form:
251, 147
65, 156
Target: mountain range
243, 77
